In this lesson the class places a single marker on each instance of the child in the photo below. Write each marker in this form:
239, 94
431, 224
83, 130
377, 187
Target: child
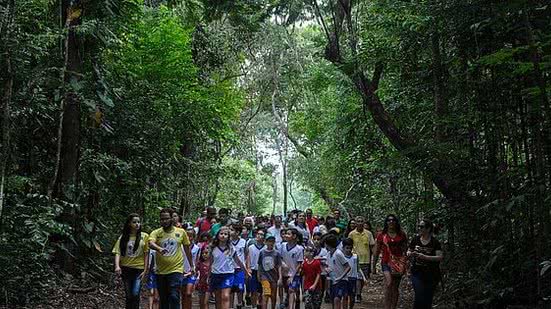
355, 273
253, 252
338, 270
151, 284
311, 268
239, 245
189, 279
321, 254
284, 270
292, 255
269, 263
222, 259
203, 269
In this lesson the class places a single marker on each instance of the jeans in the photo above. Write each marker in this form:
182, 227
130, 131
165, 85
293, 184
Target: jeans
132, 286
424, 284
169, 290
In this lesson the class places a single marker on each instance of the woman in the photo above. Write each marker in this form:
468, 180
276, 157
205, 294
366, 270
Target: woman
426, 254
130, 260
302, 228
351, 226
391, 242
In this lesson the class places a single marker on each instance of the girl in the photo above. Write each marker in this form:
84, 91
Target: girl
426, 252
151, 284
203, 269
300, 225
312, 279
130, 260
239, 245
222, 259
189, 279
391, 242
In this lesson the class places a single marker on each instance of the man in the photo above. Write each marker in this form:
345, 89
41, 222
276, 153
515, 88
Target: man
167, 241
340, 223
363, 245
311, 222
203, 224
275, 230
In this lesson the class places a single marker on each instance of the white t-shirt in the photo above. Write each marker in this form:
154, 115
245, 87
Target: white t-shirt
194, 254
337, 263
222, 260
353, 262
322, 256
292, 257
277, 233
254, 253
239, 246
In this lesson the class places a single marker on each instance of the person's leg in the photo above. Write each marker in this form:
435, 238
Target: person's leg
188, 295
203, 300
273, 294
155, 299
218, 298
387, 290
151, 298
162, 287
136, 289
225, 298
127, 282
174, 284
395, 291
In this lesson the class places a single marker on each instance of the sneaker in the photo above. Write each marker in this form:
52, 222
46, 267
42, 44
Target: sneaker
358, 298
248, 301
211, 299
327, 299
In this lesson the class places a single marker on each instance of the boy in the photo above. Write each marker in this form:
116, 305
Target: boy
321, 254
338, 268
239, 277
253, 252
311, 268
269, 263
292, 255
355, 274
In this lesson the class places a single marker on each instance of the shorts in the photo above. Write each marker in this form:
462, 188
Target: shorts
151, 281
189, 280
351, 290
267, 287
220, 282
238, 281
312, 299
253, 285
339, 289
366, 269
386, 267
295, 283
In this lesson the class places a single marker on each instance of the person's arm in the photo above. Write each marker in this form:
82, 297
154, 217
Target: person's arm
118, 264
189, 257
432, 258
146, 263
153, 244
247, 260
238, 261
346, 271
376, 257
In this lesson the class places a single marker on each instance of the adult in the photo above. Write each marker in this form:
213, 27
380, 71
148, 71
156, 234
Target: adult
177, 219
131, 260
426, 253
275, 230
300, 225
351, 226
311, 222
340, 223
223, 220
363, 245
168, 242
391, 242
204, 224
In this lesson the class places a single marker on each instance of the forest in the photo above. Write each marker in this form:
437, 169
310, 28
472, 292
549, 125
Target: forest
425, 109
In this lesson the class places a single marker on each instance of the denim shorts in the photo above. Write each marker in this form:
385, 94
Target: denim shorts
386, 267
189, 280
295, 283
151, 281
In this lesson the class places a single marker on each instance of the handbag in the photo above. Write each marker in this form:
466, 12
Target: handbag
398, 264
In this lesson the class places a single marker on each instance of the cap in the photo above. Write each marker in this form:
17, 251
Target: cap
270, 236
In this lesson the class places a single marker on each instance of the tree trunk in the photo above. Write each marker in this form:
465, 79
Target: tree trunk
6, 100
439, 88
68, 149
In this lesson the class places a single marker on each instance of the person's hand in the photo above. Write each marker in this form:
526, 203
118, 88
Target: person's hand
414, 254
279, 282
188, 274
118, 271
164, 251
365, 281
421, 256
289, 280
143, 276
247, 273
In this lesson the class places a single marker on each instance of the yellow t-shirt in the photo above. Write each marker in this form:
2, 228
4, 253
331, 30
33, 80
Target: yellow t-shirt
362, 241
132, 259
173, 260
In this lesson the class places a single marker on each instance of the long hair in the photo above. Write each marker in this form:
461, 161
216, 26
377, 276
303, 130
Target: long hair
396, 221
126, 235
216, 241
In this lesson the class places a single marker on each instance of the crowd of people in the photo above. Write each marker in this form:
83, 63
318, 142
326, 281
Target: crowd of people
262, 262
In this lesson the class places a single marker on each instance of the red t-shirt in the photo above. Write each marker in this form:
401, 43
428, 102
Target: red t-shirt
311, 223
311, 271
396, 245
203, 224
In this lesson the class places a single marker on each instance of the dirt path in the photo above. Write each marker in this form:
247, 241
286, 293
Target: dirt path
112, 297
